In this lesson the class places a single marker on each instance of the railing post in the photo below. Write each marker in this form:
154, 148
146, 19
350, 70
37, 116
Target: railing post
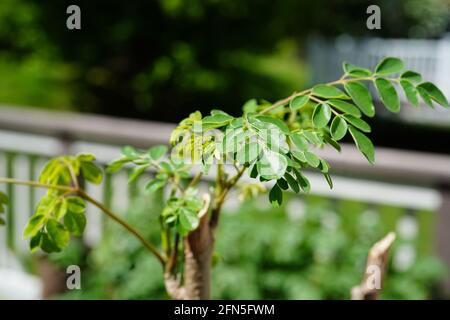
443, 233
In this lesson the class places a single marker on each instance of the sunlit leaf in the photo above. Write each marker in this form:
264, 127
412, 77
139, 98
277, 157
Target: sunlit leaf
329, 92
338, 128
361, 96
389, 66
410, 92
298, 102
363, 143
321, 115
388, 94
434, 93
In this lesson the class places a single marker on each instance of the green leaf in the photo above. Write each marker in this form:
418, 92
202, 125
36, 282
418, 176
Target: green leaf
361, 96
86, 157
75, 222
280, 124
411, 76
166, 167
136, 172
217, 111
358, 123
425, 96
91, 172
157, 152
276, 196
3, 198
410, 92
58, 233
282, 184
338, 128
299, 141
34, 224
321, 115
51, 172
292, 183
388, 94
76, 204
272, 165
332, 142
48, 245
345, 107
250, 106
389, 66
188, 219
356, 71
312, 159
61, 209
328, 179
298, 102
254, 172
2, 221
434, 93
248, 153
324, 166
232, 140
363, 143
129, 151
217, 120
329, 92
116, 165
154, 185
35, 241
302, 181
312, 137
300, 155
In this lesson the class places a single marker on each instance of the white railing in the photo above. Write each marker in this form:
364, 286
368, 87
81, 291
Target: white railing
431, 58
411, 180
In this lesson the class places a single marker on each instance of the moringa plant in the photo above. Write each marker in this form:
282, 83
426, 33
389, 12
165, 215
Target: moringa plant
273, 143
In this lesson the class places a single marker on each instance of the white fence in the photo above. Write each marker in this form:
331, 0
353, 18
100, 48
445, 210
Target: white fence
431, 58
27, 137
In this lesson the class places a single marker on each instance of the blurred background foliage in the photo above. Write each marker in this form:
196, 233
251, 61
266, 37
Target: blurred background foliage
311, 248
160, 59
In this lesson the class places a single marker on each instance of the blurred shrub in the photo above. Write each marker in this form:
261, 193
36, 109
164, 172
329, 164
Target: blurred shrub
156, 59
310, 249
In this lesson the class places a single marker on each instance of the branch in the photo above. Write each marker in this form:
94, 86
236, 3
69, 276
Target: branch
150, 247
68, 189
285, 101
219, 200
37, 184
371, 285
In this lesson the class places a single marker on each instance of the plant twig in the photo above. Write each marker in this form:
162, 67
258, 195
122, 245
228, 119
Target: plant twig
37, 184
308, 91
150, 247
218, 201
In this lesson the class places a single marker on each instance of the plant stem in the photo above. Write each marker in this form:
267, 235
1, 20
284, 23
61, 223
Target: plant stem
195, 180
37, 184
150, 247
297, 94
220, 198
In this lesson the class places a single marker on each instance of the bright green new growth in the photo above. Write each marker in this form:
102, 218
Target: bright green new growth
274, 142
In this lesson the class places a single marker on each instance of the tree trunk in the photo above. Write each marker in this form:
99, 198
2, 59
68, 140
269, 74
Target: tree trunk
198, 250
